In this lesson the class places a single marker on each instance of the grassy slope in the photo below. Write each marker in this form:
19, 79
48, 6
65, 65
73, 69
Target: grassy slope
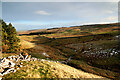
45, 69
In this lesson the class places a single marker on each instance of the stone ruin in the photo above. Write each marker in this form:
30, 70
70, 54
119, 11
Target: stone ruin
9, 64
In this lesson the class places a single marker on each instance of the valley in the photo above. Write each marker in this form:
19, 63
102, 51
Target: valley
90, 48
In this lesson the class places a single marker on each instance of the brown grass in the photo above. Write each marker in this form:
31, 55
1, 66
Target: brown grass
25, 44
46, 69
64, 71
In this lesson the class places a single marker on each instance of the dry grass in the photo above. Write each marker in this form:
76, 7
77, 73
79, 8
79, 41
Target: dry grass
46, 69
104, 30
65, 71
25, 41
7, 54
25, 44
27, 38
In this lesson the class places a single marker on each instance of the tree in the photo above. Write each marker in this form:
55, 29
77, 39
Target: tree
10, 41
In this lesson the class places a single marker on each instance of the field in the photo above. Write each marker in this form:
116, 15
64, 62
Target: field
91, 48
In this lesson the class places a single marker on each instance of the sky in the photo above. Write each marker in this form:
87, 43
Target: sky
41, 15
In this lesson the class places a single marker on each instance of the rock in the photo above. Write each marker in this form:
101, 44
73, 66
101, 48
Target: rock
45, 54
26, 57
7, 65
7, 70
21, 63
1, 69
21, 66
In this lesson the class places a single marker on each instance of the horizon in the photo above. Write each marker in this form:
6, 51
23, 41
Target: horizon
43, 15
71, 26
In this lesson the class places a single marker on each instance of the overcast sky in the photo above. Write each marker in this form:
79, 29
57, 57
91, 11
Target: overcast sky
40, 15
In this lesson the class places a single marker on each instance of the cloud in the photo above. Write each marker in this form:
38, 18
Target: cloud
42, 12
111, 18
58, 14
109, 11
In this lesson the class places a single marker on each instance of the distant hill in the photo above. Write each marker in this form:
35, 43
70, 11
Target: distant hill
74, 30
